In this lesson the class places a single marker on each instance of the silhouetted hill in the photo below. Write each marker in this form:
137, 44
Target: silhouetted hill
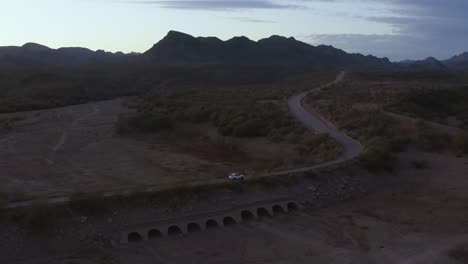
32, 55
458, 62
428, 64
182, 49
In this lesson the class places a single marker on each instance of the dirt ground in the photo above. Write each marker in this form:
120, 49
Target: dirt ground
75, 149
420, 217
412, 216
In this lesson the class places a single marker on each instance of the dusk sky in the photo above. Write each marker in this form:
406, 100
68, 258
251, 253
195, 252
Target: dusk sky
398, 29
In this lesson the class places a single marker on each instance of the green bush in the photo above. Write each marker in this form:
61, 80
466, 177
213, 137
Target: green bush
420, 164
430, 140
460, 143
38, 217
92, 203
378, 156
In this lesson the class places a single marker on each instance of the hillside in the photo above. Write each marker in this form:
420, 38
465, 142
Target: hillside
35, 55
182, 49
458, 62
428, 64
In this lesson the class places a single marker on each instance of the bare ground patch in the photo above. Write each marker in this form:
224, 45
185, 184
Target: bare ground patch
76, 149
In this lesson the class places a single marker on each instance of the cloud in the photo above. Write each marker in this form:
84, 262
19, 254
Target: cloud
421, 28
253, 20
219, 5
396, 47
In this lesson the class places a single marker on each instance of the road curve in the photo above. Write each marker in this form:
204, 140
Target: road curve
351, 148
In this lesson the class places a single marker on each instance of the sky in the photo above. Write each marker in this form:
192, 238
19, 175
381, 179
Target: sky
397, 29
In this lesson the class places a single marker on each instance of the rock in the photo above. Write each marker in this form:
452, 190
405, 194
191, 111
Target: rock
83, 219
112, 243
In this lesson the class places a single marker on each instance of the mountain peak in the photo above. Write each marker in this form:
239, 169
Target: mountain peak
178, 35
431, 59
30, 46
240, 39
459, 58
277, 39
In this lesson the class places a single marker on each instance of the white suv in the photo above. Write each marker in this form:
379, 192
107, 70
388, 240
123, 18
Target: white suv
237, 176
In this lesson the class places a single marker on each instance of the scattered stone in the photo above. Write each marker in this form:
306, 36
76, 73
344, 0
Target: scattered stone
83, 219
112, 243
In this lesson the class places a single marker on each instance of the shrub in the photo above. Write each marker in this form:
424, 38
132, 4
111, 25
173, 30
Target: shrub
36, 218
431, 140
460, 143
3, 200
420, 164
459, 253
88, 203
250, 128
377, 156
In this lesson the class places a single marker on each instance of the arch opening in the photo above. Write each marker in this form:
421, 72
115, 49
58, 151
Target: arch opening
229, 221
134, 237
174, 231
211, 224
278, 209
247, 215
292, 206
193, 227
263, 212
154, 233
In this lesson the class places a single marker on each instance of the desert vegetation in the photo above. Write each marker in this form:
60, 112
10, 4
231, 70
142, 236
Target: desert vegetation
240, 111
435, 102
360, 106
356, 112
430, 140
33, 88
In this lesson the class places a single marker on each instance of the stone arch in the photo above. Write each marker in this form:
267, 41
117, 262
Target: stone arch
174, 230
292, 206
263, 212
278, 209
193, 227
211, 223
134, 237
154, 233
228, 221
247, 215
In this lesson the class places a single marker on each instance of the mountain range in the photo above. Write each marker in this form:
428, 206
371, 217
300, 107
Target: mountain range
34, 55
180, 49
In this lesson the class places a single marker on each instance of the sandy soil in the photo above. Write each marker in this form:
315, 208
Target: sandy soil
413, 216
420, 217
76, 149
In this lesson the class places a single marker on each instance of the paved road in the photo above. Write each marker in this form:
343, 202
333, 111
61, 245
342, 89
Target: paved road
310, 120
313, 122
351, 147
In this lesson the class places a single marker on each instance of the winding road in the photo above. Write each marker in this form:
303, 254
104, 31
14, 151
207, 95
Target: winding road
351, 149
351, 146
